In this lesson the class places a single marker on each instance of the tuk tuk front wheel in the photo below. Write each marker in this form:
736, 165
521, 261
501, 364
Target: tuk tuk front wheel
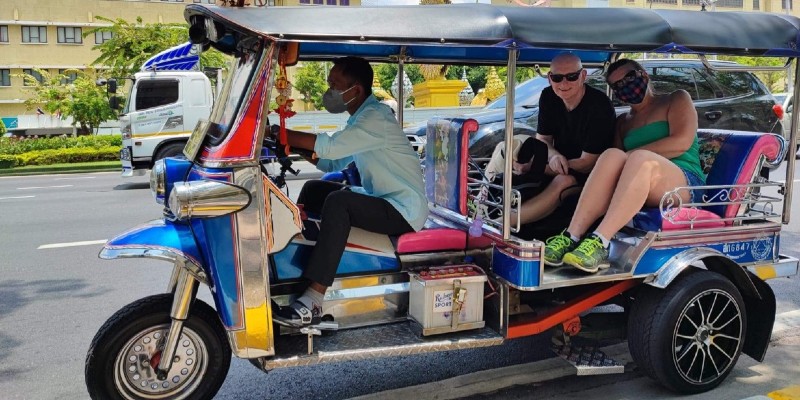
688, 336
121, 360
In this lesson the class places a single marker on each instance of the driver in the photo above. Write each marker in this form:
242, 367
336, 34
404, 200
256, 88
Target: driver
391, 199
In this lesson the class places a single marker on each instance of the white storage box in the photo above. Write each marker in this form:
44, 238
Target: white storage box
438, 293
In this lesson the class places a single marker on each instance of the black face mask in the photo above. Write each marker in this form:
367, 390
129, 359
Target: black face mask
631, 91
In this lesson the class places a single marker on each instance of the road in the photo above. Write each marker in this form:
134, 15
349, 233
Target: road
55, 293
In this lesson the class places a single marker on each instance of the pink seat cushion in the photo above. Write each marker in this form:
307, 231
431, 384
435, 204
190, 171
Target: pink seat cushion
439, 239
701, 218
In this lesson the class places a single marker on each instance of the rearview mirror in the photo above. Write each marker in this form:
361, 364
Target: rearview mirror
113, 102
289, 53
112, 86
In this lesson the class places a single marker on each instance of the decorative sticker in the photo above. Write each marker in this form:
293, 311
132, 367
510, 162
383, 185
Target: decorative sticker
443, 301
761, 247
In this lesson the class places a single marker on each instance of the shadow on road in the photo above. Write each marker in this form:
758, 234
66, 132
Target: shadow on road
131, 186
17, 294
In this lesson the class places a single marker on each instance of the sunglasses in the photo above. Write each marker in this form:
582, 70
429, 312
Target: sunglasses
571, 77
628, 78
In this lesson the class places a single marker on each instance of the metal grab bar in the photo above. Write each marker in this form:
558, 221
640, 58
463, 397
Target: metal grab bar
742, 68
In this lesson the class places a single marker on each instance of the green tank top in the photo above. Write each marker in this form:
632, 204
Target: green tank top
690, 160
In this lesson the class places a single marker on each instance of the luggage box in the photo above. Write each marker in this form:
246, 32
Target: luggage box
438, 293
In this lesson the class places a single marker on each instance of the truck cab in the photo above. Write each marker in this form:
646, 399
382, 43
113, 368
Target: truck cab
162, 109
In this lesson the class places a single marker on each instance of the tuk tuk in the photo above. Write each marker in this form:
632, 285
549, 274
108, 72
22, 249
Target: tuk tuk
690, 277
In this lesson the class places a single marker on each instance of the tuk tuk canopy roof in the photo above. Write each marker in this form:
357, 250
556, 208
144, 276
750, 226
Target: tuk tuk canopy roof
482, 33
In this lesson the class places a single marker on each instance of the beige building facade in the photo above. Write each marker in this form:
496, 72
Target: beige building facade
774, 6
48, 35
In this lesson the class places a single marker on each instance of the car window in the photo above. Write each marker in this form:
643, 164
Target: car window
779, 98
665, 80
526, 94
735, 83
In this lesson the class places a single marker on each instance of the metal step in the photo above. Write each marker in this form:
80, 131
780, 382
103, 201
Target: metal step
397, 339
588, 360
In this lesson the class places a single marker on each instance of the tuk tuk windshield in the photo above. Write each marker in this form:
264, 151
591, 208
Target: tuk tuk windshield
239, 78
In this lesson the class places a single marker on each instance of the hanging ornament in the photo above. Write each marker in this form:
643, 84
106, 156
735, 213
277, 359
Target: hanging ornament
284, 101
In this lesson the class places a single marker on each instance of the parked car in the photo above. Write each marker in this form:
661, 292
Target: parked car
784, 100
724, 100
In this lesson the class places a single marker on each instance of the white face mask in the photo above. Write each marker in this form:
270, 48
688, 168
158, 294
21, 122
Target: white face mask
333, 100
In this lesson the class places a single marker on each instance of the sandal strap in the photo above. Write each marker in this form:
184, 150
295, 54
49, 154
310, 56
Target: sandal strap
305, 314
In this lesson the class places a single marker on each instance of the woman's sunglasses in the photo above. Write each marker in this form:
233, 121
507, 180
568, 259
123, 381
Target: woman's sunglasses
571, 77
628, 78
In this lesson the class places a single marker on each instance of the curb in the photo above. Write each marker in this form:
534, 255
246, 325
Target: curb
536, 372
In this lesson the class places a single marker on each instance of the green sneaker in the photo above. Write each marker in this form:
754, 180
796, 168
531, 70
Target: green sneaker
589, 256
556, 247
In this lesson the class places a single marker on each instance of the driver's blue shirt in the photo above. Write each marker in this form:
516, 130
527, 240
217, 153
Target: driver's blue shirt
389, 167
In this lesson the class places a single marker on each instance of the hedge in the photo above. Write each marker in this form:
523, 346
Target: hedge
58, 156
14, 145
18, 152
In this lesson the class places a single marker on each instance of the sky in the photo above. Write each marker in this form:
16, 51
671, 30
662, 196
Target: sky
410, 2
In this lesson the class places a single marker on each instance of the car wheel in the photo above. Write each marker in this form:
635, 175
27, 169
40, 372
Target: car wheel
170, 150
688, 336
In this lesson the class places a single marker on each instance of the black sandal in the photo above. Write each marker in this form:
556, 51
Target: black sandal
297, 315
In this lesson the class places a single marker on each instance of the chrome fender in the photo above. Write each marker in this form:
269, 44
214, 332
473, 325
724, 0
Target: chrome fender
160, 240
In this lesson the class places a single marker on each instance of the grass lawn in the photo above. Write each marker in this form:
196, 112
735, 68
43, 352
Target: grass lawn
63, 168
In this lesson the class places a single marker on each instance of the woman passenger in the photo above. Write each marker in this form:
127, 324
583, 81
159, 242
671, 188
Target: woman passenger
655, 150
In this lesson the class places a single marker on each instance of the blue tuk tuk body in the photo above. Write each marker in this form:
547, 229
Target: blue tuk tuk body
690, 276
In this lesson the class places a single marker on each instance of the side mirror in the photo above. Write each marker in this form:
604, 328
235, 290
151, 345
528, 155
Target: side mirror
112, 86
113, 102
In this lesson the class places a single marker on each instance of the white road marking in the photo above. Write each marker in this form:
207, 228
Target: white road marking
72, 244
72, 179
43, 187
16, 197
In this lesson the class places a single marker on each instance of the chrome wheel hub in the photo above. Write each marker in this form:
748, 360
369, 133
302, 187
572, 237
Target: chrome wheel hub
135, 366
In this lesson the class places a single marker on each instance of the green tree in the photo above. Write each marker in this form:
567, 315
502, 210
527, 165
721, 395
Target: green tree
310, 82
2, 128
81, 99
132, 44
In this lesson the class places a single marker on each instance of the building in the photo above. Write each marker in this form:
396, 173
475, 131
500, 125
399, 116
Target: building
48, 35
774, 6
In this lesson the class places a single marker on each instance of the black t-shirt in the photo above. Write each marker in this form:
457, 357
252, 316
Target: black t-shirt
588, 128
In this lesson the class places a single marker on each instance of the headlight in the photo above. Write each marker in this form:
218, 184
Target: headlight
158, 181
206, 199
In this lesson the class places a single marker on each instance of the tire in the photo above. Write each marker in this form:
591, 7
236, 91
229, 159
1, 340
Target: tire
174, 149
688, 336
136, 331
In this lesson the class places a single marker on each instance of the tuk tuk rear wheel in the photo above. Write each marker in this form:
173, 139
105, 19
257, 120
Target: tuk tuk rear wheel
688, 336
121, 360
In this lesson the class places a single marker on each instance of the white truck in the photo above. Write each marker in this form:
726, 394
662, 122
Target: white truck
162, 109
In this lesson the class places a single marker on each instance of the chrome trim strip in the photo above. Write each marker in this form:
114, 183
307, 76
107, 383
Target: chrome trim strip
158, 254
678, 263
787, 266
368, 291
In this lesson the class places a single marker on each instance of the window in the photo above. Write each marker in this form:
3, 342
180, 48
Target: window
331, 2
756, 5
731, 3
691, 2
69, 76
155, 92
669, 79
69, 34
3, 33
34, 73
317, 1
787, 4
5, 77
735, 83
673, 2
205, 1
173, 1
344, 2
101, 37
34, 34
305, 1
